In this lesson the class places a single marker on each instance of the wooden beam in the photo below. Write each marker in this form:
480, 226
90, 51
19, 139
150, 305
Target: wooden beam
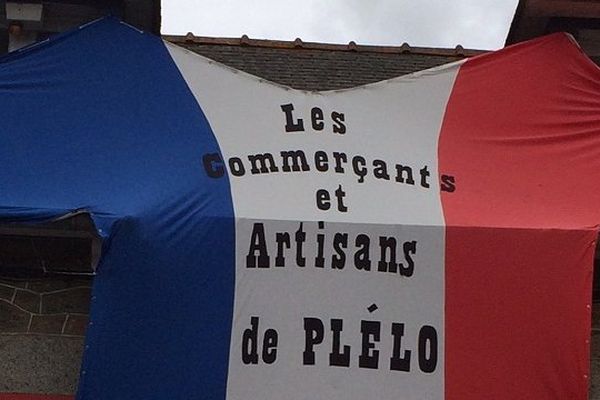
562, 8
45, 233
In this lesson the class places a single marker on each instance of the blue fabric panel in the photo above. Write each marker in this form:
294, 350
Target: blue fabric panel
100, 119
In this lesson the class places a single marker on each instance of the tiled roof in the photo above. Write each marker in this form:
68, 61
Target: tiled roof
318, 66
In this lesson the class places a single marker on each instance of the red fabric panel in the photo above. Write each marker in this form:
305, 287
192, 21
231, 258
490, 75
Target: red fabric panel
517, 323
521, 135
7, 396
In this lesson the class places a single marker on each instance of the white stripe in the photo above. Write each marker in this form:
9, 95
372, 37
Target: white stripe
397, 121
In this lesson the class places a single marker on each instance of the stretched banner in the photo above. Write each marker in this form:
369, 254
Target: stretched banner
426, 237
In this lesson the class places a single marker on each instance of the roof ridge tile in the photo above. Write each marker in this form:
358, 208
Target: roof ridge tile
298, 43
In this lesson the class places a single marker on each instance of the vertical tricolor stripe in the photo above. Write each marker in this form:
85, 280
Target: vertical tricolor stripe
521, 135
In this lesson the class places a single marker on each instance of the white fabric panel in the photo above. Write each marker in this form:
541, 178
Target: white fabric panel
396, 121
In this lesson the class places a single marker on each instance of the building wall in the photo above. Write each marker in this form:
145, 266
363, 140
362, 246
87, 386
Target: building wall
42, 328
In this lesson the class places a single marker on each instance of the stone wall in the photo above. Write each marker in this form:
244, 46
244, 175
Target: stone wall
42, 328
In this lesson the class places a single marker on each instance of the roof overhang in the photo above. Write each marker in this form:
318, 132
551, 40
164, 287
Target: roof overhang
535, 18
62, 15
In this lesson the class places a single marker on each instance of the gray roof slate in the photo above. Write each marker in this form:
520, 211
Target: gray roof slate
316, 66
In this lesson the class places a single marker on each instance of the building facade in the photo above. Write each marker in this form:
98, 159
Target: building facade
46, 274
